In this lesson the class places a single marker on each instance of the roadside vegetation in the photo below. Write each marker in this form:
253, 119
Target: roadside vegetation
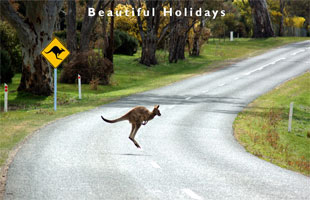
262, 128
29, 112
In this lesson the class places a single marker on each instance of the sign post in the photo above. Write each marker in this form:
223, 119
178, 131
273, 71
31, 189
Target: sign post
5, 98
55, 52
55, 89
80, 90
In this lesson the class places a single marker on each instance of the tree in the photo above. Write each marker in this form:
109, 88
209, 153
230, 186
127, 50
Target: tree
179, 28
110, 47
83, 60
300, 8
262, 23
150, 37
34, 31
71, 26
87, 25
281, 26
198, 37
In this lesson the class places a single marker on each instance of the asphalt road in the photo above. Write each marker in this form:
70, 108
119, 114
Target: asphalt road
187, 153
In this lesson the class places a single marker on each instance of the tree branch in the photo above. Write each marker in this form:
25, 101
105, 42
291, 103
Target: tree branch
163, 33
8, 12
138, 18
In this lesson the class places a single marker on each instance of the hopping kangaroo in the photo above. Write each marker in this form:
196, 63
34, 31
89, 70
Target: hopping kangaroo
56, 51
137, 116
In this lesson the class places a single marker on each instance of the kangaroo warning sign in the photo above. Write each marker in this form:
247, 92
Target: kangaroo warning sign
55, 52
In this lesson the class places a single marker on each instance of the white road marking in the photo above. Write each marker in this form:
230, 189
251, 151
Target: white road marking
205, 91
236, 78
155, 165
188, 98
192, 194
222, 84
293, 54
262, 67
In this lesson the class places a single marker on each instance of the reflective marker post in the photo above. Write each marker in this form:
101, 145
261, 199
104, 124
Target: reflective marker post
80, 90
290, 117
5, 98
231, 36
55, 89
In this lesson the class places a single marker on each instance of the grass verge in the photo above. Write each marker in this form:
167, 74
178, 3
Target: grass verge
28, 112
262, 128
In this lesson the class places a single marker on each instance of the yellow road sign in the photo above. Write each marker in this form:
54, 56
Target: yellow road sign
55, 52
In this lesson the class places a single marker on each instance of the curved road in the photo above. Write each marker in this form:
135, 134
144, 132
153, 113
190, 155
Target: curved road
187, 153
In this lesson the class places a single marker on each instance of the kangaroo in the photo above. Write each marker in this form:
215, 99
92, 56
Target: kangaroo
56, 51
137, 116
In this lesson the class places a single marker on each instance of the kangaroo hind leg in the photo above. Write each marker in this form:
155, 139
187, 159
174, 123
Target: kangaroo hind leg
133, 134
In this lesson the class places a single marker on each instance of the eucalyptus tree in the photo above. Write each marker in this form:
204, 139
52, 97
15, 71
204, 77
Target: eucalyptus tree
34, 29
262, 24
149, 36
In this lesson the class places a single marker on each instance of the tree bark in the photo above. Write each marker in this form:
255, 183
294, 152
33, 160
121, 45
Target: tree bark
34, 32
179, 27
88, 24
196, 43
110, 48
105, 43
281, 27
262, 23
71, 26
149, 38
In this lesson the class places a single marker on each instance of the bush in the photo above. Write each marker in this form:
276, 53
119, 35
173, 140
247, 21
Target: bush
10, 43
6, 71
124, 43
90, 66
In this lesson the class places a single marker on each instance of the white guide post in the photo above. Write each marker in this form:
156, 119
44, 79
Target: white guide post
5, 98
290, 117
231, 36
80, 90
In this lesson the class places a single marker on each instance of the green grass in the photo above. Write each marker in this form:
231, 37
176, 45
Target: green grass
27, 112
262, 128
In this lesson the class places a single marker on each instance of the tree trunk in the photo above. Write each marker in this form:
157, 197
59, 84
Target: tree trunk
281, 27
179, 27
196, 49
110, 48
87, 25
149, 39
34, 32
149, 46
36, 72
262, 23
71, 26
105, 43
197, 37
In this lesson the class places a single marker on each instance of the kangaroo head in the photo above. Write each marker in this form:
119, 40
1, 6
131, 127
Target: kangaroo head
156, 110
62, 50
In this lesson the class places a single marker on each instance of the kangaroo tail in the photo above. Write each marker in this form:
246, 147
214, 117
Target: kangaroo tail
48, 52
115, 120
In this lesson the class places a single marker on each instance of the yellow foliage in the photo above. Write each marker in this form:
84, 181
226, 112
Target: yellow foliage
126, 23
294, 21
129, 23
276, 13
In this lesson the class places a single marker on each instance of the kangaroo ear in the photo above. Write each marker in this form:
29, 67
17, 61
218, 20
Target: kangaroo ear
156, 106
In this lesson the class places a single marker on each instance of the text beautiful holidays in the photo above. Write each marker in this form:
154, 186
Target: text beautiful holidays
165, 12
